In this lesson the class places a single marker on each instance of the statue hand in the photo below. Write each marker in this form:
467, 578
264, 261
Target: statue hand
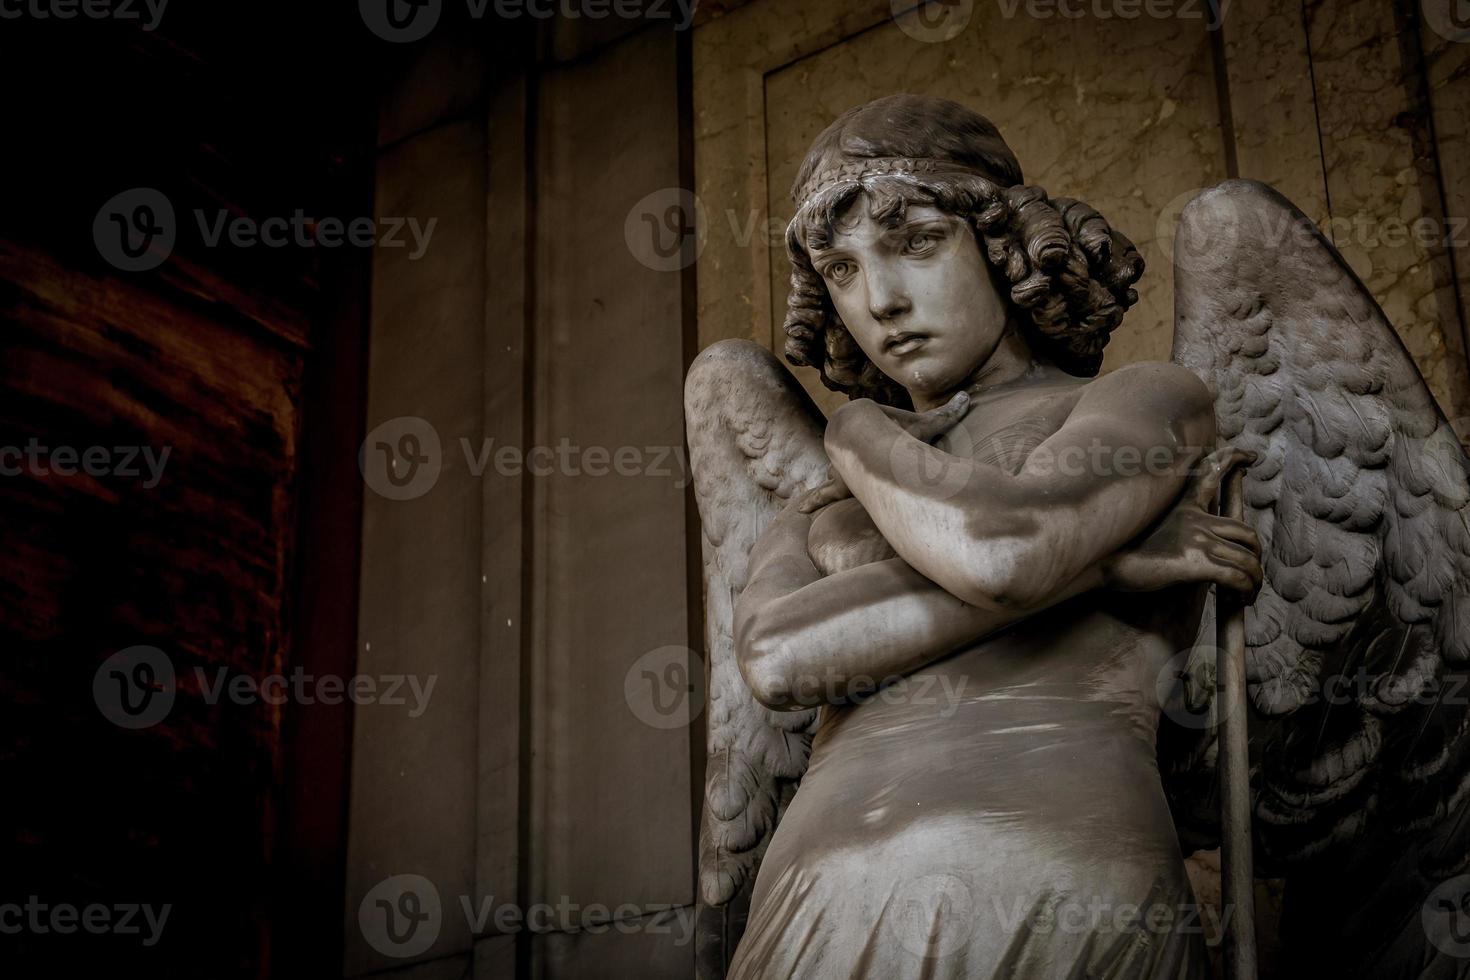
929, 426
1192, 544
924, 426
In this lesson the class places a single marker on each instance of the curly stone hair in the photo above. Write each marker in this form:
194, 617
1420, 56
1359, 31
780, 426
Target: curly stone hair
1067, 275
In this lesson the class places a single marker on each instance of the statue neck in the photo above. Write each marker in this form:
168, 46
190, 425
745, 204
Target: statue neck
1011, 360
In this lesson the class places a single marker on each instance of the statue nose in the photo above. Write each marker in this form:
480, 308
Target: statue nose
889, 309
886, 299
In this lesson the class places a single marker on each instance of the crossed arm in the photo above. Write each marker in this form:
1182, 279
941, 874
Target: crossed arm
976, 559
1010, 541
803, 639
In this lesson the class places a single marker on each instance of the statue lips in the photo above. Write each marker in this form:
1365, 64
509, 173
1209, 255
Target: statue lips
904, 343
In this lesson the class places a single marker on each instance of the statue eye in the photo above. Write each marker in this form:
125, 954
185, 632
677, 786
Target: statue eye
920, 241
838, 271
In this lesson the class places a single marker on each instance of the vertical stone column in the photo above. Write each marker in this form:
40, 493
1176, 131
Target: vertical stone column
536, 353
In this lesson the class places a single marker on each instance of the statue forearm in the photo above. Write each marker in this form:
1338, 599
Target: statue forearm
831, 638
961, 523
1005, 540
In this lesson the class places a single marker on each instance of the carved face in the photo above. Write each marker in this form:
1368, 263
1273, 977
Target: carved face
916, 294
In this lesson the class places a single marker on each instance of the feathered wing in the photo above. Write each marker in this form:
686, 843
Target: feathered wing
755, 441
1359, 639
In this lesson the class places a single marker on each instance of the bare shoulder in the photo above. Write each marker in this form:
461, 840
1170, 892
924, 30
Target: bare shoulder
1153, 393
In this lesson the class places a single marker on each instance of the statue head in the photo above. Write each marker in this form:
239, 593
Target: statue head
911, 211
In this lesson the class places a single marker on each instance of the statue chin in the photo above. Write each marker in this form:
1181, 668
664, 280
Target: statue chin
843, 536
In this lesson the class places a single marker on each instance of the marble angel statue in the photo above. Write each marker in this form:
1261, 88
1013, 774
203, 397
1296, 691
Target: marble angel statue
937, 621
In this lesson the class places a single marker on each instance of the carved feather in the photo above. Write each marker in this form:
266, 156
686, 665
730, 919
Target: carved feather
1361, 632
755, 441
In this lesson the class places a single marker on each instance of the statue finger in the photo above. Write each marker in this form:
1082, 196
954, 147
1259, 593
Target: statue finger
933, 424
830, 492
1232, 530
1213, 470
1238, 568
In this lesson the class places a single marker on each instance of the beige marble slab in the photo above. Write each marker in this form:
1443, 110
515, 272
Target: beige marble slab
732, 54
1447, 71
1272, 103
1381, 179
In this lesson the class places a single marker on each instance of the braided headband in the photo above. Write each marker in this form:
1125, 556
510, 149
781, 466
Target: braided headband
858, 169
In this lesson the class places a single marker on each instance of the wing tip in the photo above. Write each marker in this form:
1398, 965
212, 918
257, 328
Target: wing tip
731, 349
1227, 200
719, 361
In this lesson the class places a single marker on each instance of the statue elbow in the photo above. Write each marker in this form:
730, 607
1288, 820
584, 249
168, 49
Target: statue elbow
770, 684
771, 690
998, 596
1001, 583
764, 666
